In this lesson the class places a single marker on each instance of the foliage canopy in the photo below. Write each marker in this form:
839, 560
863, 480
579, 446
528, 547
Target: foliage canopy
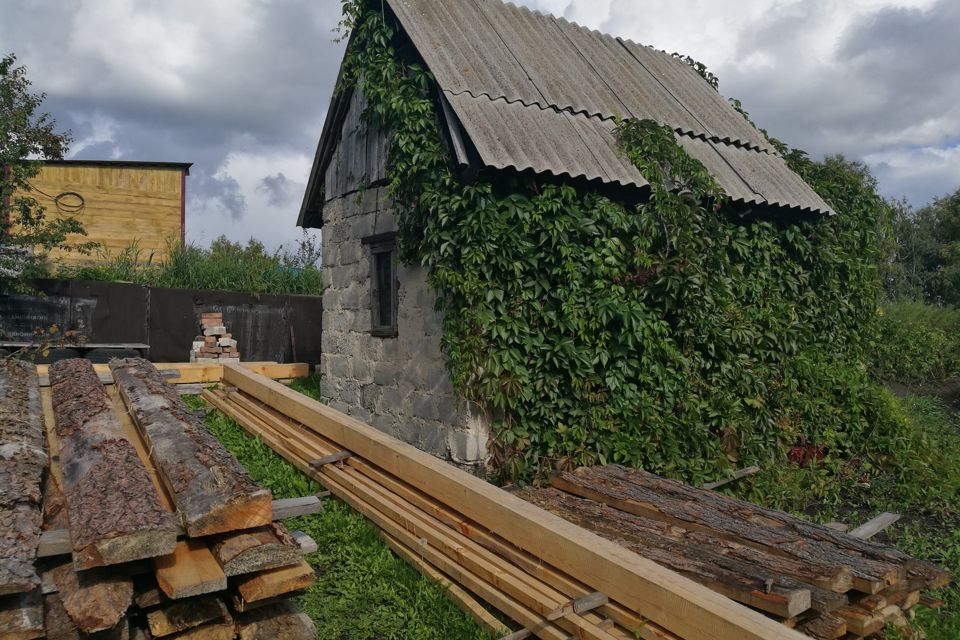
26, 137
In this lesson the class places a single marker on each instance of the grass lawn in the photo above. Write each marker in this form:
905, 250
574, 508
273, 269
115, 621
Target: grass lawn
363, 591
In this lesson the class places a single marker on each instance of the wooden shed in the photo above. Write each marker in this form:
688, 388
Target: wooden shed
118, 202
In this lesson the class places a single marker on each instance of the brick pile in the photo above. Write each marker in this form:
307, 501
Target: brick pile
214, 344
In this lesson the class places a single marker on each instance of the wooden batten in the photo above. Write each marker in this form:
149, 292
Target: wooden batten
677, 603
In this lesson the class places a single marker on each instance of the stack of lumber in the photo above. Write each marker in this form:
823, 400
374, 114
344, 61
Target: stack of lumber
556, 579
214, 344
23, 460
151, 528
824, 582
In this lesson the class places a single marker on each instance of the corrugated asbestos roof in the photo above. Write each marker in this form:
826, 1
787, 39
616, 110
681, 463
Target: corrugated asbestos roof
536, 92
508, 135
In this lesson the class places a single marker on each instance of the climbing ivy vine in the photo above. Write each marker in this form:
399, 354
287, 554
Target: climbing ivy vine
673, 334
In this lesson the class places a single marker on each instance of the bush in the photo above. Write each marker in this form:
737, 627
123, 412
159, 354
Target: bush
917, 343
226, 265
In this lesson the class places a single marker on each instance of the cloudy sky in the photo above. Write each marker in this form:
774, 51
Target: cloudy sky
240, 87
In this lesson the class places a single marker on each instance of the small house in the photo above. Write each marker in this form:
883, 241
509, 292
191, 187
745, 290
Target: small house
119, 203
517, 91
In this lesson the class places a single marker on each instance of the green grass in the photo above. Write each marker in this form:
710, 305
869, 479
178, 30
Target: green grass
362, 591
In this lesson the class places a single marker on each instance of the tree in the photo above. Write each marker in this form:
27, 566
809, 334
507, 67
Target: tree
27, 137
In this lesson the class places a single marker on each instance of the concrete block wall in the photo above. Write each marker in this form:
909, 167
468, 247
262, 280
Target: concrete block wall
399, 385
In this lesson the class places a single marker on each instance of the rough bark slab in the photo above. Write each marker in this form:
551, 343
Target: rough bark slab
114, 510
274, 582
824, 627
21, 616
23, 459
213, 493
256, 550
744, 582
186, 614
189, 571
19, 539
874, 566
95, 600
282, 620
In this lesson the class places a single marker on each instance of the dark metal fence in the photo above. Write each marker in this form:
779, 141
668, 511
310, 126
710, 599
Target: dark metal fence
163, 322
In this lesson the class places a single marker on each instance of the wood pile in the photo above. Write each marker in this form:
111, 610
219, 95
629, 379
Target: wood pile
23, 459
641, 576
214, 344
823, 582
151, 529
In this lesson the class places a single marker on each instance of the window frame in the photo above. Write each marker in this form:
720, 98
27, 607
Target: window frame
379, 245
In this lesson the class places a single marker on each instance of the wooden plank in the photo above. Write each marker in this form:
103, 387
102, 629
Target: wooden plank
23, 459
872, 527
200, 372
670, 600
274, 582
487, 592
97, 460
741, 473
516, 584
57, 542
269, 547
650, 496
189, 571
95, 600
186, 614
281, 620
464, 601
213, 493
296, 437
21, 616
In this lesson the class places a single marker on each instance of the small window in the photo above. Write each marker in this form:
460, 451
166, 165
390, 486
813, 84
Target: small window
383, 279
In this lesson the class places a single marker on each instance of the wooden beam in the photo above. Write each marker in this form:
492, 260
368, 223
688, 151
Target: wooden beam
213, 493
677, 603
871, 528
97, 460
274, 582
189, 571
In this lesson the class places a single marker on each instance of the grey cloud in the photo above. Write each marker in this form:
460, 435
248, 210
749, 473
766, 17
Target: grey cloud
279, 189
886, 81
222, 193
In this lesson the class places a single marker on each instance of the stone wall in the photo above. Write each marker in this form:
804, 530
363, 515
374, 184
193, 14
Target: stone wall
399, 385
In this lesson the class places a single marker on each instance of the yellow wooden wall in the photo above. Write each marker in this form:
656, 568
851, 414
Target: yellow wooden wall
123, 204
